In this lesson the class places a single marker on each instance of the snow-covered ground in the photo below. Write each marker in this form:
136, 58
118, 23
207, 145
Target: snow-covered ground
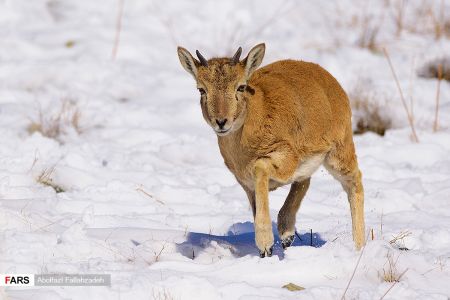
147, 197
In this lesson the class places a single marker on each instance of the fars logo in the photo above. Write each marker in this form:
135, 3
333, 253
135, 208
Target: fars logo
16, 279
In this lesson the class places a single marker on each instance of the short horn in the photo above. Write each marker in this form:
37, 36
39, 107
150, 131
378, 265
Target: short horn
203, 61
236, 56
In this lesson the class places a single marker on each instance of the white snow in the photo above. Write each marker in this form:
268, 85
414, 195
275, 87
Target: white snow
147, 197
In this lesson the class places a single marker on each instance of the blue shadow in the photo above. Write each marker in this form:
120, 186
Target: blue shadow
240, 239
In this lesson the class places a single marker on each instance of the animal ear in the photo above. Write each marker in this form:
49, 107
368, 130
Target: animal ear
188, 62
254, 59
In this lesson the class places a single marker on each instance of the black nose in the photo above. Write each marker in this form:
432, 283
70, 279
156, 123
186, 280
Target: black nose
221, 123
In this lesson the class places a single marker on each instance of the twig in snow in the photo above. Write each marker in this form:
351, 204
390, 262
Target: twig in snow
34, 160
399, 13
411, 77
160, 252
400, 237
140, 189
110, 234
426, 272
118, 29
405, 106
354, 270
128, 258
438, 90
439, 22
381, 224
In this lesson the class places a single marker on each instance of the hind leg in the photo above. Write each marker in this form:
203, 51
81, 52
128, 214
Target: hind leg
286, 216
342, 164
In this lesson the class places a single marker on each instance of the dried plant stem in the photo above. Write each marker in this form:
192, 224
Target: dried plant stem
393, 284
442, 19
438, 90
54, 124
399, 18
118, 29
400, 236
411, 76
157, 256
405, 106
354, 270
140, 189
439, 21
381, 224
45, 178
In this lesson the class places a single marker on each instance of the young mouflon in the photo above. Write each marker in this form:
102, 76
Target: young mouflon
275, 126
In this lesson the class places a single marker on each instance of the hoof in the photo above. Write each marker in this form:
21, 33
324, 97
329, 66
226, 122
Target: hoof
269, 252
287, 242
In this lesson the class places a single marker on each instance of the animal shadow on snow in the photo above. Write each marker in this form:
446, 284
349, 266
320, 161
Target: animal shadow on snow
240, 240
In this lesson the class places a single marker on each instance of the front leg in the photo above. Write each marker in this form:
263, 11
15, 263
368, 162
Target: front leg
263, 224
251, 198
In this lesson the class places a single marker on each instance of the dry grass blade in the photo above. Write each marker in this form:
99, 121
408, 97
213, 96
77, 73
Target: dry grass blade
400, 237
393, 284
438, 89
381, 223
140, 189
45, 178
118, 29
370, 26
368, 36
390, 274
439, 23
354, 270
405, 106
162, 295
158, 255
399, 16
53, 124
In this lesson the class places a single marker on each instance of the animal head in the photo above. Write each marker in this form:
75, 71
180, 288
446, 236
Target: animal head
222, 83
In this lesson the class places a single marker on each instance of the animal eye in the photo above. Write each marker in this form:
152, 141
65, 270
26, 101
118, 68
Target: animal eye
241, 88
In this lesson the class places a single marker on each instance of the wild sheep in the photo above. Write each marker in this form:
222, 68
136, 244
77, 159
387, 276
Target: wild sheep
276, 126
